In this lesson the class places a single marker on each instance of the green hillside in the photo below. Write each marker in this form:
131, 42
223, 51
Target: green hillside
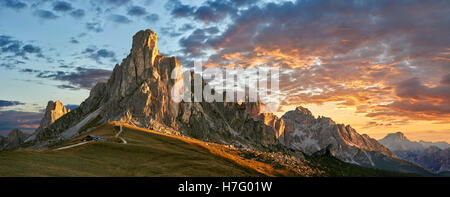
149, 153
146, 154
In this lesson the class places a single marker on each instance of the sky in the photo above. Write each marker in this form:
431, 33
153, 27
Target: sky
381, 66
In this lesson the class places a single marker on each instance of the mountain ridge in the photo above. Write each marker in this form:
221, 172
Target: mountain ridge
432, 156
300, 130
138, 93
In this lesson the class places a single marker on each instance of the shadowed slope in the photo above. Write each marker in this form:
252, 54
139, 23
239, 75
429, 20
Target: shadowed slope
147, 153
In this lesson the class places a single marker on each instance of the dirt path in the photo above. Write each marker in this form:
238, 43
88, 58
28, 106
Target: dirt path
120, 132
82, 143
71, 146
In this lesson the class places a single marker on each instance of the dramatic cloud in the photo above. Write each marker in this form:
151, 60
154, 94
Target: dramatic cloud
25, 121
151, 18
68, 87
446, 79
116, 2
414, 89
104, 53
100, 54
386, 62
81, 78
14, 4
45, 14
214, 11
210, 11
186, 27
78, 13
120, 19
194, 43
417, 101
171, 32
178, 9
31, 49
136, 11
355, 54
9, 45
4, 103
62, 6
94, 26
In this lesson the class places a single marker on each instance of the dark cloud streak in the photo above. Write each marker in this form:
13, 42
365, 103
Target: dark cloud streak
78, 13
25, 121
45, 14
4, 103
136, 11
120, 19
14, 4
62, 6
84, 78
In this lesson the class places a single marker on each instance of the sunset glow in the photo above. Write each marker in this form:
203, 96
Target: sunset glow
379, 66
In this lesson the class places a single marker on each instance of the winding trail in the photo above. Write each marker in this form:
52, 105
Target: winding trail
82, 143
71, 146
120, 132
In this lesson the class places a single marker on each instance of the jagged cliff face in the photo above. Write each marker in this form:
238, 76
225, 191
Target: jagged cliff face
53, 111
300, 130
139, 89
139, 92
255, 110
305, 132
277, 124
432, 158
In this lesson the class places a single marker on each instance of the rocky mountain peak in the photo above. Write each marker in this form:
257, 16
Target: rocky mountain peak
15, 138
398, 136
271, 120
300, 114
139, 92
253, 108
431, 155
145, 39
53, 111
303, 110
14, 134
309, 134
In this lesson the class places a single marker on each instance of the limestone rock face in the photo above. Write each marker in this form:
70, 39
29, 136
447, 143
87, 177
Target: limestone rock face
255, 110
277, 124
139, 92
305, 132
300, 130
53, 111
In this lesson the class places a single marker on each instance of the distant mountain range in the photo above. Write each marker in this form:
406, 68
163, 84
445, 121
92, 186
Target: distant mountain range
300, 130
138, 93
14, 139
433, 156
